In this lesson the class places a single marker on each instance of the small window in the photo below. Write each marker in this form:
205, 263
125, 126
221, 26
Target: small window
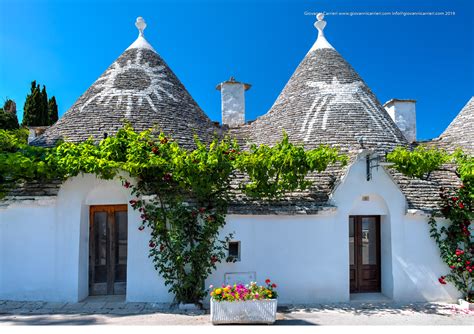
234, 251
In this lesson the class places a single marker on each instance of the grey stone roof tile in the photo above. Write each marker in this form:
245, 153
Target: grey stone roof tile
138, 88
460, 133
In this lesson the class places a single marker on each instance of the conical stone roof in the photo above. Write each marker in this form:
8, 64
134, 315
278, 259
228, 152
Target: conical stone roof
138, 88
326, 101
460, 133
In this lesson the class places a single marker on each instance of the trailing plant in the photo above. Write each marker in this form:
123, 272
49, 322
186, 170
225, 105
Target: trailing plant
454, 238
419, 162
182, 194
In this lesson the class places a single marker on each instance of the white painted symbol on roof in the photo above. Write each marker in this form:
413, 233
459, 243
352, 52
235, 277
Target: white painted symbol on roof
153, 85
336, 93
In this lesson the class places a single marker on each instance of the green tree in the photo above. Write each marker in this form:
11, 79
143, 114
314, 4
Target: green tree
8, 118
33, 107
52, 111
44, 120
38, 110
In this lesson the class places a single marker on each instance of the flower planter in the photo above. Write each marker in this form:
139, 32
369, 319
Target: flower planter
465, 305
244, 312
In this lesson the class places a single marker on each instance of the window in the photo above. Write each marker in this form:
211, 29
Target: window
234, 251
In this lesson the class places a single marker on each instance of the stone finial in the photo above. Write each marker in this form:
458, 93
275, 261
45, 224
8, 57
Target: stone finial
140, 24
320, 23
321, 42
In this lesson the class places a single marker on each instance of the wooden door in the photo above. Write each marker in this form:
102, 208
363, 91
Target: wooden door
108, 250
364, 253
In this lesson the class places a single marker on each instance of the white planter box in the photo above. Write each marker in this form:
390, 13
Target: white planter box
244, 312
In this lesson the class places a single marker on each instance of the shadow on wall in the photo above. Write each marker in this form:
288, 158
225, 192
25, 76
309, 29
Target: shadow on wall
422, 276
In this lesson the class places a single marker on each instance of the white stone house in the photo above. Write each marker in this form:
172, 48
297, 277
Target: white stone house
360, 229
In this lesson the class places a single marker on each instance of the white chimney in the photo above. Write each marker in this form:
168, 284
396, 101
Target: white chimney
403, 113
233, 102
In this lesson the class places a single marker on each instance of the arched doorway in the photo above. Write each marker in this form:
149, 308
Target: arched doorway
108, 241
364, 254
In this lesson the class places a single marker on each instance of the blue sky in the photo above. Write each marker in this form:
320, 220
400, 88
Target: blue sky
66, 45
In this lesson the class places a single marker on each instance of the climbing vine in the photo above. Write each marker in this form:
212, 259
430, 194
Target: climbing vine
182, 195
454, 238
419, 162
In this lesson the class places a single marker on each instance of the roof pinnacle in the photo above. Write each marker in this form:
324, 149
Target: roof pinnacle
140, 42
320, 24
321, 42
141, 25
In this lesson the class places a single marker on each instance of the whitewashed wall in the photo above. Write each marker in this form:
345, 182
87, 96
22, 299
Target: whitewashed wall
44, 246
308, 256
27, 252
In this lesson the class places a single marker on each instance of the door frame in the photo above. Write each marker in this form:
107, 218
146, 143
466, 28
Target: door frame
358, 253
110, 259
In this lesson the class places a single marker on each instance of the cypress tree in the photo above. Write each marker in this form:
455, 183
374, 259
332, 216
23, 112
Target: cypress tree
44, 119
38, 110
52, 111
32, 108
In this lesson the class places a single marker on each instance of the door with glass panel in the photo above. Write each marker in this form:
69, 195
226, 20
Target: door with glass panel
108, 250
364, 253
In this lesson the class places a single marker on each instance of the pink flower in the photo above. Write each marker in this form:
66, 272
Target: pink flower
441, 280
267, 281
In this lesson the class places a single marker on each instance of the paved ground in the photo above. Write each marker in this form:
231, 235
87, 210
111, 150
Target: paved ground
117, 312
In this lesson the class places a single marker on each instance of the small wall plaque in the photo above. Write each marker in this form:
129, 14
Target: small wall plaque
240, 278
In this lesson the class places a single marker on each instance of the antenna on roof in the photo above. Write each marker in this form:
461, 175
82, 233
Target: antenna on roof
141, 25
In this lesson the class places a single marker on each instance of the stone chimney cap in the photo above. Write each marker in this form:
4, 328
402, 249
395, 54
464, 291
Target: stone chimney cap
398, 100
233, 81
